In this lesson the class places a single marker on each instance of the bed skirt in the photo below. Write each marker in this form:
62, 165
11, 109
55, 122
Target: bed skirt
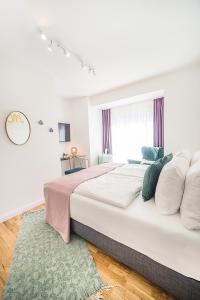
174, 283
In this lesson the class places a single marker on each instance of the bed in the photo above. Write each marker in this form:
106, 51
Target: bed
156, 246
106, 208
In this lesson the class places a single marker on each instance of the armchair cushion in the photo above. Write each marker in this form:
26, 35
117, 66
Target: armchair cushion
147, 162
133, 161
152, 153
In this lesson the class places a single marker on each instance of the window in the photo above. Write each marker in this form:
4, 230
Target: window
132, 128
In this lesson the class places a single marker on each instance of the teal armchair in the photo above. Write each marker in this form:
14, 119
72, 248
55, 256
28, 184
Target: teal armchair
149, 153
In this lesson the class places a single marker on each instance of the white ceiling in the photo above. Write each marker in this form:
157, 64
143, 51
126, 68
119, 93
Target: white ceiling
126, 40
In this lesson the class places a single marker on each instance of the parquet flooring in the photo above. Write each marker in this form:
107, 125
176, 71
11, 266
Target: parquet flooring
129, 285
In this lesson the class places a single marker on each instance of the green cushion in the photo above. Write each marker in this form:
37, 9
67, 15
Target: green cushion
73, 170
133, 161
151, 177
167, 158
150, 180
150, 153
160, 152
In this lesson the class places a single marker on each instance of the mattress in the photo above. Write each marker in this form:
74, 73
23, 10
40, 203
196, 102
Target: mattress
141, 227
112, 188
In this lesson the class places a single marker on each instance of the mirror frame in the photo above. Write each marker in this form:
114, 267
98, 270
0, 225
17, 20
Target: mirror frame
17, 111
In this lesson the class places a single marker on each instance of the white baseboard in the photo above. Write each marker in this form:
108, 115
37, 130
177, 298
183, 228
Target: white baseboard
19, 210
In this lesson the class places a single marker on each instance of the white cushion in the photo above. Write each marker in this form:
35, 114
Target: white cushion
184, 153
170, 187
190, 207
196, 157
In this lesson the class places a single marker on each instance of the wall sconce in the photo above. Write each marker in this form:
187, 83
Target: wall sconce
51, 130
40, 122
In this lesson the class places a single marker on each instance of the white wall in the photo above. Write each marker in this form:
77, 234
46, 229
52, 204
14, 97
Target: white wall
24, 169
182, 104
95, 133
80, 125
85, 128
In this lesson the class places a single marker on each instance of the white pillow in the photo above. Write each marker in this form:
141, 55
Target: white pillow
170, 187
184, 153
196, 157
190, 207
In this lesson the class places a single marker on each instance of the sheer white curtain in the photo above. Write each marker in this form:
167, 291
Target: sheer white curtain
132, 128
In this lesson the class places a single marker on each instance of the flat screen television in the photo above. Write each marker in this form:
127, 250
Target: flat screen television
64, 132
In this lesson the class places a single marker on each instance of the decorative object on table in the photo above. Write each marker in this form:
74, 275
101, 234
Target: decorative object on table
65, 156
74, 151
104, 158
51, 130
18, 128
64, 132
40, 122
62, 271
150, 154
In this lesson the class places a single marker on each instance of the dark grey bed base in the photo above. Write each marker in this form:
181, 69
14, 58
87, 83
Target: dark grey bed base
179, 286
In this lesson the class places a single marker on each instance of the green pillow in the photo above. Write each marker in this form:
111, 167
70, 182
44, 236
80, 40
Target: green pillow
150, 179
160, 152
151, 176
167, 158
150, 153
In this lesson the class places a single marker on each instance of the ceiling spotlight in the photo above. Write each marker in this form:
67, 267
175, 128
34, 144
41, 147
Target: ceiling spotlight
49, 48
43, 36
68, 54
90, 69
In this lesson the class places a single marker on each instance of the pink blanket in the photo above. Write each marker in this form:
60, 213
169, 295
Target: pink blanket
57, 196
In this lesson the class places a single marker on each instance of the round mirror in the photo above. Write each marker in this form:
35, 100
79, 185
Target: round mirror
18, 128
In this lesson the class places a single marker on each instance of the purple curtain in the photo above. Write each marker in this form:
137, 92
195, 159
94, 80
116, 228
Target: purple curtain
158, 122
106, 124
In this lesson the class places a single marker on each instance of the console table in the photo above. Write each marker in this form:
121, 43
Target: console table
72, 162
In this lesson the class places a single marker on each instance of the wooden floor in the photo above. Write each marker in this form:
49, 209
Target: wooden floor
129, 285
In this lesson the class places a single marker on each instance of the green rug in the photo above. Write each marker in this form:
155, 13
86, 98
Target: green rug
44, 267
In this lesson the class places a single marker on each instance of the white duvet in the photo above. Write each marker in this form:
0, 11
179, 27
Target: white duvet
134, 170
114, 189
